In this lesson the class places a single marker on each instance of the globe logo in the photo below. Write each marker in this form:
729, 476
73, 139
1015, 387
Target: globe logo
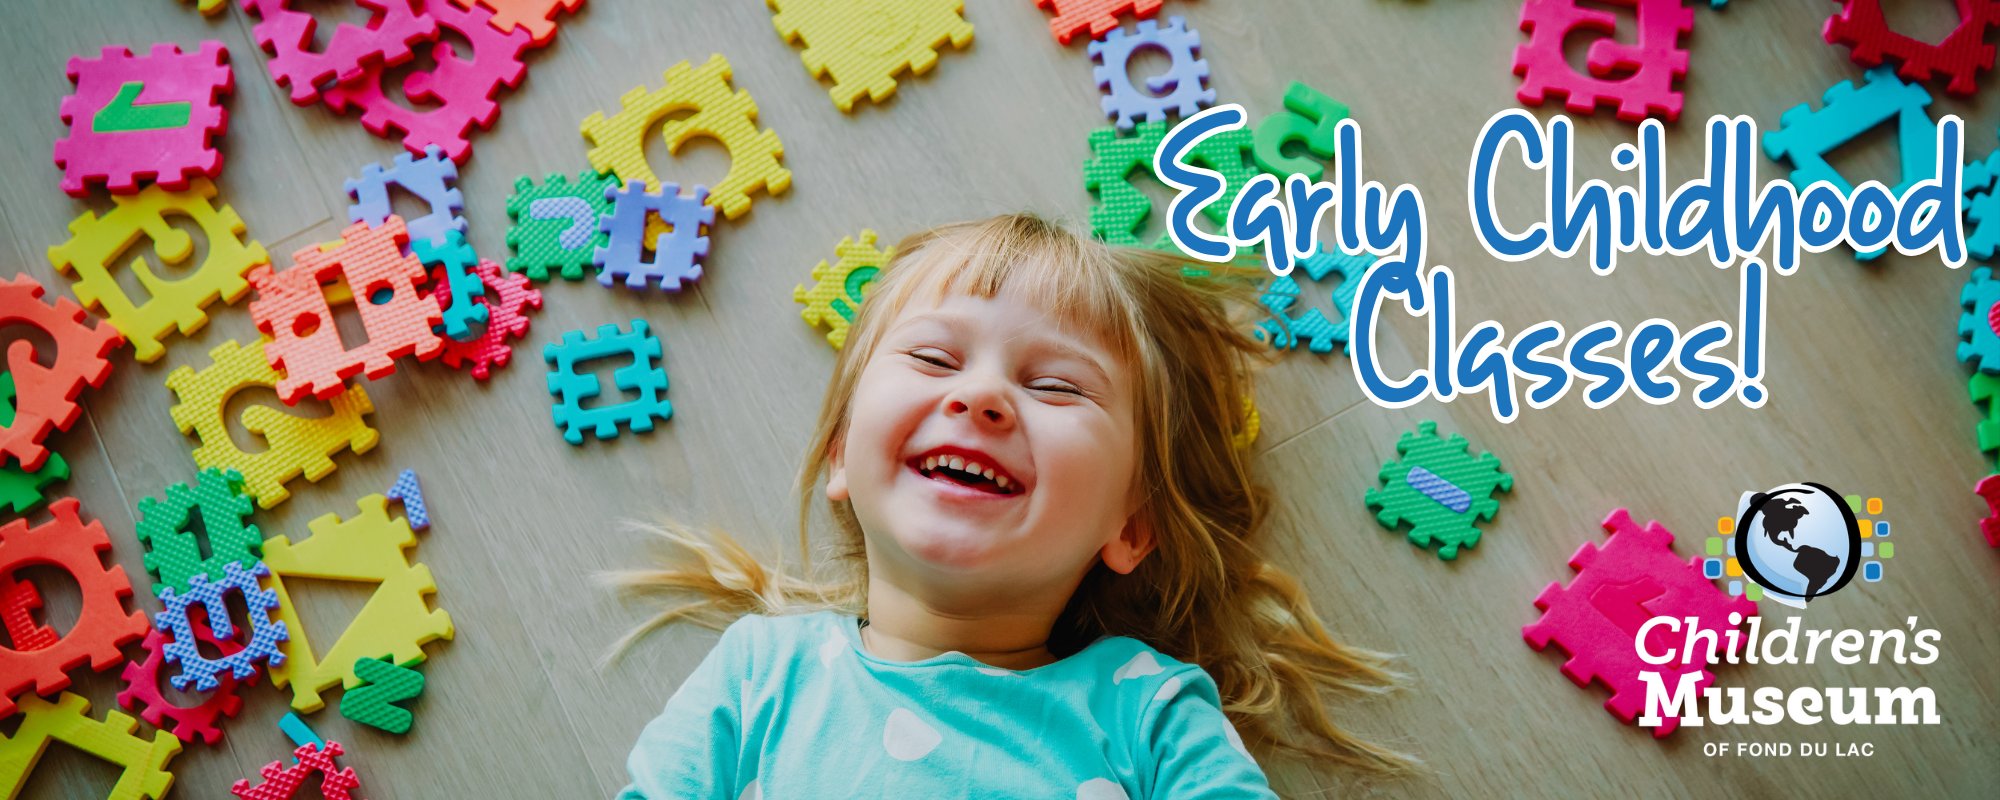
1798, 541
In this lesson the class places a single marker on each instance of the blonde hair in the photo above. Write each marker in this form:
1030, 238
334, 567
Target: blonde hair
1204, 596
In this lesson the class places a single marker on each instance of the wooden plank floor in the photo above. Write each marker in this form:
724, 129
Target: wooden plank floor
1866, 395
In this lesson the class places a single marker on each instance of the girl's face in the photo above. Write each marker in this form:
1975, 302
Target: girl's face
989, 446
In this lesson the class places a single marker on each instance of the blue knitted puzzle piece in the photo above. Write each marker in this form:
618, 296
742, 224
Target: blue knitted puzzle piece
456, 256
642, 376
1445, 492
677, 254
1319, 331
429, 178
1804, 136
1979, 344
265, 633
1181, 90
411, 495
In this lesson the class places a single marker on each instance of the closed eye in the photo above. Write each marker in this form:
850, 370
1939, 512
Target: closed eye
932, 356
1056, 386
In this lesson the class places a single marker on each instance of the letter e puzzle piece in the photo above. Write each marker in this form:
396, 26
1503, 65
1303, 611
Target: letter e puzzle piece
151, 117
144, 775
839, 288
864, 44
385, 684
1632, 578
446, 103
556, 224
95, 243
1637, 77
721, 113
286, 35
174, 551
103, 624
1805, 136
1094, 18
1440, 489
283, 783
295, 444
677, 253
45, 397
1182, 90
1861, 27
642, 375
292, 308
506, 299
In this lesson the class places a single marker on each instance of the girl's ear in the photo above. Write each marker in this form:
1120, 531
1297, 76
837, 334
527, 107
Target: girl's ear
836, 475
1133, 543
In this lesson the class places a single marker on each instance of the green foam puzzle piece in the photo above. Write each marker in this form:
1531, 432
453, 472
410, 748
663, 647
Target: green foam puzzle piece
384, 684
1440, 489
1121, 208
21, 490
173, 553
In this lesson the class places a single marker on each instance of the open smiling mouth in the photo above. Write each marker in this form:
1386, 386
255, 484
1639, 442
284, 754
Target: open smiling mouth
958, 470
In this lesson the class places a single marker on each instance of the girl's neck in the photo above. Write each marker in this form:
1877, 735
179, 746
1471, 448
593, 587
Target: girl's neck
902, 627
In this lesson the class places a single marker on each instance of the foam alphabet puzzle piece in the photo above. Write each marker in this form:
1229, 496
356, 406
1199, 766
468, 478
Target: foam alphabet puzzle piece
45, 396
1310, 119
201, 722
1983, 388
1313, 327
20, 489
19, 600
296, 444
262, 644
138, 118
641, 375
453, 259
864, 45
431, 179
411, 495
507, 299
1635, 76
299, 732
537, 17
1182, 90
396, 621
1439, 489
556, 224
174, 552
208, 8
291, 307
839, 288
103, 624
1960, 56
677, 254
1122, 209
283, 783
443, 106
95, 243
384, 684
719, 112
1979, 321
286, 35
1805, 136
1094, 18
1633, 577
144, 774
1988, 489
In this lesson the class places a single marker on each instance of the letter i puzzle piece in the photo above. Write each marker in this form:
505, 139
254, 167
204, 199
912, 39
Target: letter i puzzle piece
641, 375
137, 118
1632, 578
1650, 64
292, 308
864, 44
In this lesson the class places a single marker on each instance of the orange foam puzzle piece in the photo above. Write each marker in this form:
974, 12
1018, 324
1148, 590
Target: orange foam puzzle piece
537, 17
45, 397
292, 308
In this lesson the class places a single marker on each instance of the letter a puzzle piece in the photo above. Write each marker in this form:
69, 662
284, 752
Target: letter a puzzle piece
1182, 90
95, 243
173, 551
838, 289
1122, 209
292, 308
1632, 578
1805, 136
137, 118
103, 624
443, 105
396, 620
45, 396
373, 703
641, 375
721, 113
537, 17
283, 783
863, 45
21, 490
1861, 26
295, 444
1440, 489
1648, 66
556, 224
1092, 17
144, 775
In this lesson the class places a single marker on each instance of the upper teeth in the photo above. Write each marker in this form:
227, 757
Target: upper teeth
972, 467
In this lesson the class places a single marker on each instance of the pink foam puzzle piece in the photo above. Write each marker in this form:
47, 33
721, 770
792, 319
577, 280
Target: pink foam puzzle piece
138, 118
1636, 77
444, 105
286, 34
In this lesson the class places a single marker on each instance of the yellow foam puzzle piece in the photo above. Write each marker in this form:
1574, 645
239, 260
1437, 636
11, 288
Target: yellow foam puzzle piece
208, 7
67, 720
838, 288
96, 242
864, 44
296, 444
1253, 424
727, 115
396, 621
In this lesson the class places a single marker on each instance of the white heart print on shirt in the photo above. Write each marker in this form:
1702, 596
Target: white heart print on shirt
908, 738
751, 792
831, 649
1099, 789
1141, 665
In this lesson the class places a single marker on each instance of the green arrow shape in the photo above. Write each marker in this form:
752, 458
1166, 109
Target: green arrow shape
124, 114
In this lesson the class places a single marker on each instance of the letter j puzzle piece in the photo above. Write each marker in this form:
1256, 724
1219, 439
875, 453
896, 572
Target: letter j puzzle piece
135, 118
641, 375
864, 44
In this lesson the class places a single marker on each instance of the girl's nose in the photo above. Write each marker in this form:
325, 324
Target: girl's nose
983, 402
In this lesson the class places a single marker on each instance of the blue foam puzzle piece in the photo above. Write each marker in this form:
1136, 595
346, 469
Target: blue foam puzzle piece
429, 178
457, 259
265, 633
1182, 90
1313, 326
412, 497
677, 255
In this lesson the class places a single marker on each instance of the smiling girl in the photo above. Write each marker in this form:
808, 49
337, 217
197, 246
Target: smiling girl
1044, 582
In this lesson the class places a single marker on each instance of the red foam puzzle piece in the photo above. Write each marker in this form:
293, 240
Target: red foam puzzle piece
287, 34
507, 298
138, 118
201, 721
1092, 17
305, 344
19, 600
1648, 66
282, 782
103, 624
1632, 578
455, 96
45, 397
1989, 488
1861, 27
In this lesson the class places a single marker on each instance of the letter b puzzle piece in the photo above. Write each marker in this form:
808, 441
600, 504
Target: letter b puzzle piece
173, 551
295, 444
395, 621
134, 118
292, 308
1646, 68
1619, 586
45, 397
719, 112
677, 253
67, 720
863, 45
96, 242
373, 703
838, 289
641, 375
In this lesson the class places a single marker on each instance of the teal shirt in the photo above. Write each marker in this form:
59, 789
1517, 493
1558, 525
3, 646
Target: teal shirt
794, 708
